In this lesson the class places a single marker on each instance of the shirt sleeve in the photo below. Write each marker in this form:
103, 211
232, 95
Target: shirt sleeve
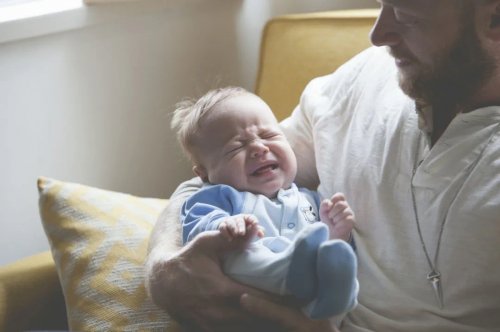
298, 131
187, 188
205, 209
319, 97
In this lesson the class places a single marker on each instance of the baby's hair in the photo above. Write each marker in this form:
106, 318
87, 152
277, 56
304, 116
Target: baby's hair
189, 112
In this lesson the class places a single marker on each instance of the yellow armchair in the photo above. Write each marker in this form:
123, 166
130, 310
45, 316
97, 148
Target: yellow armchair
30, 295
295, 48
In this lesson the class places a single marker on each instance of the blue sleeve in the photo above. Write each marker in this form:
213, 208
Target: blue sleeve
206, 208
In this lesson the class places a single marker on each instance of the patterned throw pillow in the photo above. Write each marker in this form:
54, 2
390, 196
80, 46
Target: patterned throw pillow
99, 241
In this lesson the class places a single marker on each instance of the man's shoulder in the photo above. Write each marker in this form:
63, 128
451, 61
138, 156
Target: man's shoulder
374, 63
371, 69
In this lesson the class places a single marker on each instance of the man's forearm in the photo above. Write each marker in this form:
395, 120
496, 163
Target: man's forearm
165, 238
166, 232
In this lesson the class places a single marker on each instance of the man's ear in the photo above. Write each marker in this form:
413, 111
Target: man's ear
201, 172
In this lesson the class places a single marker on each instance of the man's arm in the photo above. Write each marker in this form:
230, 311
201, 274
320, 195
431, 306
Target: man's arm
165, 238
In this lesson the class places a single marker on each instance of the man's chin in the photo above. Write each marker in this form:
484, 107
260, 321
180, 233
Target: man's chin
408, 85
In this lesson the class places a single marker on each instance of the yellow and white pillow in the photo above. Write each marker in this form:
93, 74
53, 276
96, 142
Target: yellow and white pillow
99, 242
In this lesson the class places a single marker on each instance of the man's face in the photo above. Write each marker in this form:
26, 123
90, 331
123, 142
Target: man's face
436, 49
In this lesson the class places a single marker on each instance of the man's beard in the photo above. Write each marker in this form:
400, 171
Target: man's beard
455, 76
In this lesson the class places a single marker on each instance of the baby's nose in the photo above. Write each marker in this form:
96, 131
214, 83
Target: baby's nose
258, 149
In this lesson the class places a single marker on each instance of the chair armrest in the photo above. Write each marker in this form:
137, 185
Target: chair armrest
31, 296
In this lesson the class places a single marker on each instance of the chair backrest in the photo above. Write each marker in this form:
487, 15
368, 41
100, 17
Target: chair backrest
297, 48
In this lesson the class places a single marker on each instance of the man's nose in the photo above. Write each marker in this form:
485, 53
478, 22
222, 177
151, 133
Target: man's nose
385, 32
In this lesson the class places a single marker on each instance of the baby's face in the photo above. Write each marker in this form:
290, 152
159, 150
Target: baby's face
240, 144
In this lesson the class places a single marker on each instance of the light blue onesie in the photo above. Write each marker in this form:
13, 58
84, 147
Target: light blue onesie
266, 263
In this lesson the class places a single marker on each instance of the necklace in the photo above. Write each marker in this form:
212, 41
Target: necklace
434, 276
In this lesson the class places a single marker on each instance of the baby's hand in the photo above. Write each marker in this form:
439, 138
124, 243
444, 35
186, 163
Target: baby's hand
241, 225
337, 214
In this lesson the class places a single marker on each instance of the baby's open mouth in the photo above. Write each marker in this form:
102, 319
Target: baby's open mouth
264, 169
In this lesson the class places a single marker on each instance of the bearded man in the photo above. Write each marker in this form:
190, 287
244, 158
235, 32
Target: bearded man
410, 132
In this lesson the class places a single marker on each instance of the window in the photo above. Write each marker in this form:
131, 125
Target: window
12, 10
6, 3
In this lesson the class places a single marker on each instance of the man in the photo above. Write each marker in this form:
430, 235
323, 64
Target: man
424, 187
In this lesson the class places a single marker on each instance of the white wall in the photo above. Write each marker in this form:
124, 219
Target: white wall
91, 105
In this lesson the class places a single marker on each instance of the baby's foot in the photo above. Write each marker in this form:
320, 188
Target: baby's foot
301, 280
337, 284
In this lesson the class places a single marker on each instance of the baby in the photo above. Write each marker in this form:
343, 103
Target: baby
238, 149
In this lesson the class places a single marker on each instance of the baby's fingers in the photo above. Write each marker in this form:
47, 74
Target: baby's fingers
340, 210
224, 230
250, 220
255, 230
239, 226
337, 197
324, 209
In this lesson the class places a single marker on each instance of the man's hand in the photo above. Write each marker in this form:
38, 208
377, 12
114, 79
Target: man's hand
191, 286
337, 214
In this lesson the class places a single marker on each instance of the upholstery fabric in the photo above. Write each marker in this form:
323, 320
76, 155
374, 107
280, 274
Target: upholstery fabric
99, 241
298, 47
30, 295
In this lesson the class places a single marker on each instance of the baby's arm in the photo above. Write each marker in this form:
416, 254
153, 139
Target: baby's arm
240, 225
336, 213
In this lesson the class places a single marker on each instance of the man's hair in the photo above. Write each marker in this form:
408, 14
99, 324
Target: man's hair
189, 112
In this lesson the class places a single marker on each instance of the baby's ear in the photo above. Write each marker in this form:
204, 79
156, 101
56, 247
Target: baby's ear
201, 172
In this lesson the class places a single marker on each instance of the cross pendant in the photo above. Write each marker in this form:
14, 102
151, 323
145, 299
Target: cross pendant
435, 278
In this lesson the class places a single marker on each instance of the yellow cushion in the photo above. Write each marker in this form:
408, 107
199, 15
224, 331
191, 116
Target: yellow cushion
99, 241
296, 48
